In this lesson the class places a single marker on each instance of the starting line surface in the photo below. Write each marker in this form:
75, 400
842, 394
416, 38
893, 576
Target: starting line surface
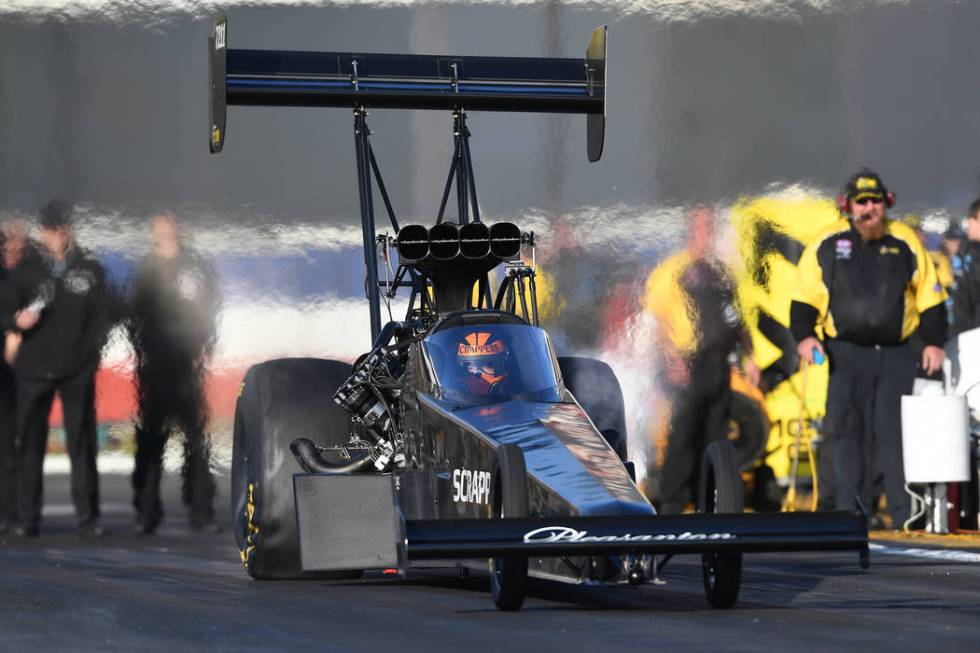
947, 555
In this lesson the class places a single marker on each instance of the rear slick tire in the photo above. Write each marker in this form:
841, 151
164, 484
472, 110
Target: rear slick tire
721, 492
508, 575
596, 388
279, 401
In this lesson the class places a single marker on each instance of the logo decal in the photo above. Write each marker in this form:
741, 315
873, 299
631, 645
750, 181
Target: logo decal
844, 248
471, 486
476, 345
553, 534
730, 315
866, 183
189, 285
219, 35
79, 282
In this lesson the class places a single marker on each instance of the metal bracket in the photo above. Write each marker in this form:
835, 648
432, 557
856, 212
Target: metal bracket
454, 76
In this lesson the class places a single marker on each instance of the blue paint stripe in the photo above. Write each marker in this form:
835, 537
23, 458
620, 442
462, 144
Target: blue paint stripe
535, 90
390, 86
286, 82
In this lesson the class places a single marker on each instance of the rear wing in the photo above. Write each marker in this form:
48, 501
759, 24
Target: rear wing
402, 81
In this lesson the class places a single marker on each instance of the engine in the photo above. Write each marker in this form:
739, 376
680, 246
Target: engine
370, 395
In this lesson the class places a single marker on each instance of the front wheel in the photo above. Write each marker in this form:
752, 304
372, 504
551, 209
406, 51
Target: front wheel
508, 575
721, 492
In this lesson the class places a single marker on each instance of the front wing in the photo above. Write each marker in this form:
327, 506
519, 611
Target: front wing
657, 534
342, 521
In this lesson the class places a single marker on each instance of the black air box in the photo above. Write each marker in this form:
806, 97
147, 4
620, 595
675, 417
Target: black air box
348, 522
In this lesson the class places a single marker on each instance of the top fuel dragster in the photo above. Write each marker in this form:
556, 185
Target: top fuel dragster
460, 437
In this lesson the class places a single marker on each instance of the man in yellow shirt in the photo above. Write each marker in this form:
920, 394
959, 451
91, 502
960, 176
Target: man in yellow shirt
692, 297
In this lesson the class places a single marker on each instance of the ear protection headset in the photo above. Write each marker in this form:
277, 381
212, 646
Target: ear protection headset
844, 203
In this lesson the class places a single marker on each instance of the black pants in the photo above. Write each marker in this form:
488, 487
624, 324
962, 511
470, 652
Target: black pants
8, 439
34, 398
827, 477
699, 415
827, 474
172, 398
864, 409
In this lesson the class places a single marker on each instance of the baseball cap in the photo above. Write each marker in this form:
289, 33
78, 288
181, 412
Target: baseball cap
865, 184
55, 214
954, 232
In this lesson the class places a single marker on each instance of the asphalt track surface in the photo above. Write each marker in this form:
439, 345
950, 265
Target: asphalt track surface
179, 591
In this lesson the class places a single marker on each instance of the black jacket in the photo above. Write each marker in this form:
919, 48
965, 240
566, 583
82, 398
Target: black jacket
174, 306
76, 313
868, 293
966, 297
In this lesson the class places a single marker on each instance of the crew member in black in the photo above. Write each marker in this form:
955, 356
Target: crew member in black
173, 333
966, 298
57, 299
12, 242
692, 297
868, 285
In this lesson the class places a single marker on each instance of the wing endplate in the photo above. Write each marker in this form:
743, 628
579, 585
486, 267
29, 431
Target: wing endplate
217, 51
595, 58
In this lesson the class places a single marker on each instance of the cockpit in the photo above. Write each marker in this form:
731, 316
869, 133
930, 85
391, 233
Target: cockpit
489, 363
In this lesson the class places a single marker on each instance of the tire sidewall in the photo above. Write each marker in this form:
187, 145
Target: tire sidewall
508, 576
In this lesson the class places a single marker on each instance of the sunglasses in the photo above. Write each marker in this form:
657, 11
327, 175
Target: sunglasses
869, 200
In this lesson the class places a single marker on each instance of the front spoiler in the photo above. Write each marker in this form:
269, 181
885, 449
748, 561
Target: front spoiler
352, 521
656, 534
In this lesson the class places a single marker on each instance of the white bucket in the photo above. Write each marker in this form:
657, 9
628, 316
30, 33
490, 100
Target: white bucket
935, 439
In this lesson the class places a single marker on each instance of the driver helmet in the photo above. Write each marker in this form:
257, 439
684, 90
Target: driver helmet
483, 356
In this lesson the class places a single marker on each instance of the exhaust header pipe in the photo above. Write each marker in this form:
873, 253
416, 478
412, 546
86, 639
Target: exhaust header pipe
413, 242
505, 240
444, 241
474, 240
447, 241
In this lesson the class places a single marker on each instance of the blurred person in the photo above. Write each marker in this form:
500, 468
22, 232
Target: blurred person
691, 296
966, 317
58, 301
940, 259
568, 288
966, 299
172, 329
13, 240
952, 246
870, 285
13, 236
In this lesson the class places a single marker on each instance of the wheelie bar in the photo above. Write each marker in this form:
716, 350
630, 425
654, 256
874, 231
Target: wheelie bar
663, 534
